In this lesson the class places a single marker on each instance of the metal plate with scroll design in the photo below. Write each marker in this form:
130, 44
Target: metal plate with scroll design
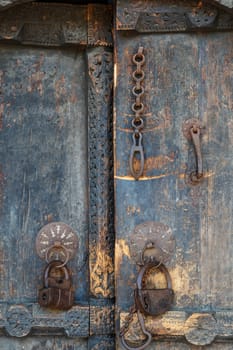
153, 238
171, 16
59, 237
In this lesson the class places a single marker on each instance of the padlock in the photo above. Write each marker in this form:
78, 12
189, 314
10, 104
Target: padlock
153, 302
57, 292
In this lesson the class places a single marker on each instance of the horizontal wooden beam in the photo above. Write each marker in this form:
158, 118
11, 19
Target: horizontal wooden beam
79, 321
198, 328
45, 24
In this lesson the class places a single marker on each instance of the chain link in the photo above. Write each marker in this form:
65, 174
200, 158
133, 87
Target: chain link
129, 318
125, 328
138, 109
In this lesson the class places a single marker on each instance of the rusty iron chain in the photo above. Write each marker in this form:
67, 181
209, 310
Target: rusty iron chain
129, 318
138, 109
125, 328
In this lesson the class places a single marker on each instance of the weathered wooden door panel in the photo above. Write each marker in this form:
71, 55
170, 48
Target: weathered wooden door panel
55, 138
187, 75
43, 160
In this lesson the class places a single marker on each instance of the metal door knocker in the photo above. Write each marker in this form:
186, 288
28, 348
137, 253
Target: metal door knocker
56, 243
192, 130
152, 302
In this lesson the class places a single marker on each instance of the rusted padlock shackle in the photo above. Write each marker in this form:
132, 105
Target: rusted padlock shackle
57, 264
153, 301
65, 250
153, 264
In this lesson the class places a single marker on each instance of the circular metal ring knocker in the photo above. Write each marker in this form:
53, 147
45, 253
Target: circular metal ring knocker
152, 258
51, 249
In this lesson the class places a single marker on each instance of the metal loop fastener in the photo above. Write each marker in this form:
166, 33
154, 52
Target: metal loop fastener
138, 91
138, 76
138, 108
139, 58
150, 245
137, 124
137, 149
67, 255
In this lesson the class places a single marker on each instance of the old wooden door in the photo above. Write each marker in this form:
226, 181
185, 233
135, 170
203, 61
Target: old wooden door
187, 76
55, 137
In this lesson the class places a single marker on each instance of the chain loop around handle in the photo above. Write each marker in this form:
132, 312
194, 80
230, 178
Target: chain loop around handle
144, 331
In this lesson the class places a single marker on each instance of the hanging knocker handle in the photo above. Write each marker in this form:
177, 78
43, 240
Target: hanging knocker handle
192, 130
195, 133
148, 334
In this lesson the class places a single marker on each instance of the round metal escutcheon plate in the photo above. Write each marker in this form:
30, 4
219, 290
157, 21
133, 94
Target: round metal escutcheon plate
152, 239
56, 240
188, 124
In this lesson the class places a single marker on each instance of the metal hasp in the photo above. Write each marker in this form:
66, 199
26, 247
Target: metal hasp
136, 161
149, 302
56, 243
192, 129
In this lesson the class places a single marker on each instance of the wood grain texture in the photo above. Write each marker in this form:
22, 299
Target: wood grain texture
42, 343
44, 105
161, 345
197, 328
186, 76
43, 159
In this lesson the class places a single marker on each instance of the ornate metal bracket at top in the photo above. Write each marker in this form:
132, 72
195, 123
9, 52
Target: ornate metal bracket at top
48, 24
182, 17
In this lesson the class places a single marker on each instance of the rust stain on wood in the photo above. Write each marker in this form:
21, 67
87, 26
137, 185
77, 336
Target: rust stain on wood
35, 79
121, 250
